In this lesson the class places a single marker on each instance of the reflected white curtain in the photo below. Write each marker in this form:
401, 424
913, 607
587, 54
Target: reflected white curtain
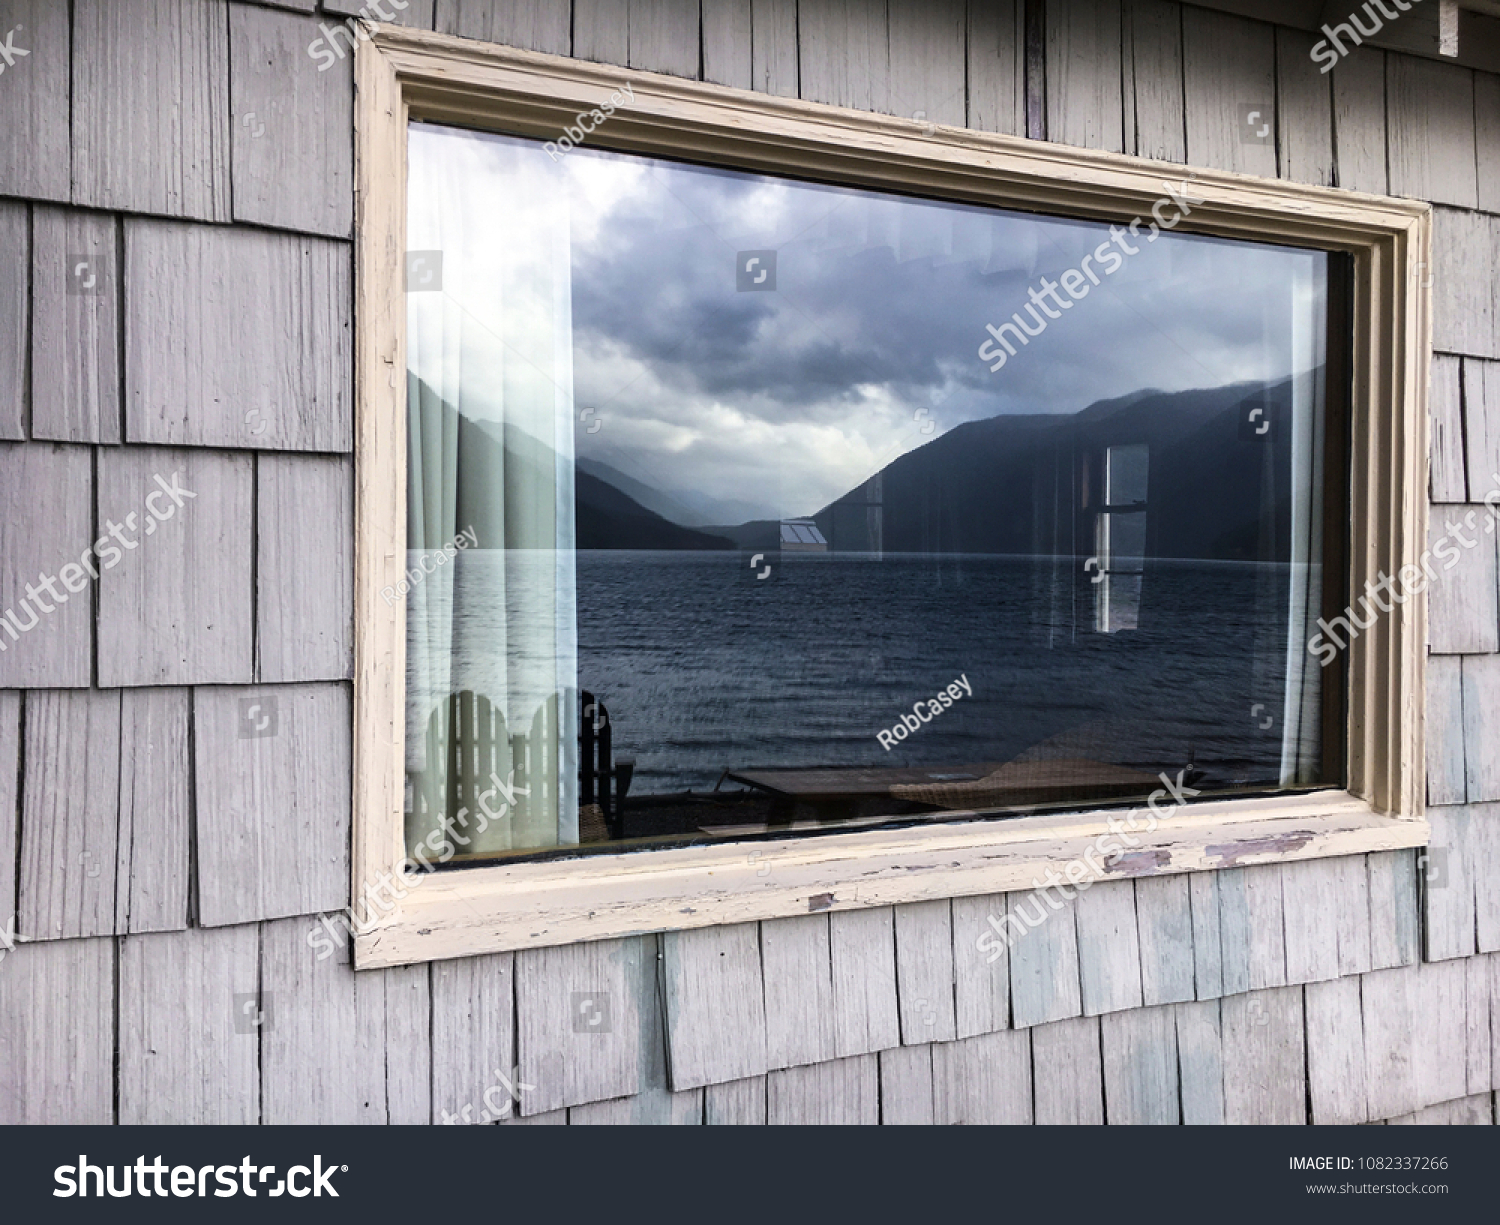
491, 669
1301, 715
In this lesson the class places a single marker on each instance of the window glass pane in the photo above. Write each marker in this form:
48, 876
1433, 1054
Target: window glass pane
739, 504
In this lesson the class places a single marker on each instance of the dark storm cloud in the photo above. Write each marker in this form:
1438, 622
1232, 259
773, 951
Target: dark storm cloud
658, 284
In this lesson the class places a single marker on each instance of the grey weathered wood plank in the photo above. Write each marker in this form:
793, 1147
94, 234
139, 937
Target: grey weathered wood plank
1463, 291
474, 1039
1481, 423
1481, 710
1467, 1111
10, 788
1140, 1066
1352, 913
577, 1031
75, 356
981, 976
1084, 106
1487, 135
862, 948
151, 107
1336, 1052
985, 1079
655, 1104
728, 42
666, 36
189, 1052
175, 602
843, 54
1430, 109
736, 1103
34, 98
151, 876
1359, 125
57, 1032
996, 49
307, 1073
906, 1086
1229, 72
798, 975
553, 1118
1416, 1041
773, 47
1304, 113
1265, 1078
15, 334
601, 31
70, 815
1393, 909
1494, 971
1483, 855
396, 1073
1068, 1072
715, 1005
1447, 868
1479, 1058
417, 14
273, 768
46, 523
1310, 904
1044, 972
1208, 953
1445, 404
1151, 34
924, 972
304, 568
842, 1092
535, 25
1462, 614
1165, 925
276, 378
292, 153
1200, 1062
1109, 947
1251, 928
658, 1110
927, 60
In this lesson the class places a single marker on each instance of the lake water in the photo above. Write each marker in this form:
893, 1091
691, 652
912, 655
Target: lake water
704, 668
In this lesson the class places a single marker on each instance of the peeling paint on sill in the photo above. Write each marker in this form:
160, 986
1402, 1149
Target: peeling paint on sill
1229, 854
1139, 863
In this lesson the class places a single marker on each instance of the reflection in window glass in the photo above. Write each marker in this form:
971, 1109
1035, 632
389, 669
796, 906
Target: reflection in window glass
738, 504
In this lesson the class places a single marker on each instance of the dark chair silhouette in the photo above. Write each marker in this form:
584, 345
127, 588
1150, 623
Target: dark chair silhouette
601, 779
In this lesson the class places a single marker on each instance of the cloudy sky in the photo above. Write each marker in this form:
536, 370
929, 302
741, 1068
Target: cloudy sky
774, 403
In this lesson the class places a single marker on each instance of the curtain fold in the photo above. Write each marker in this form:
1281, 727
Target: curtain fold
491, 695
1301, 722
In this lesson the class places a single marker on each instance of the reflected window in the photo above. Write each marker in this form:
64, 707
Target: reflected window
726, 520
1121, 533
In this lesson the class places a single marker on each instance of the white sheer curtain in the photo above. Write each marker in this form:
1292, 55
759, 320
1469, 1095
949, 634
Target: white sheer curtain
1301, 723
491, 697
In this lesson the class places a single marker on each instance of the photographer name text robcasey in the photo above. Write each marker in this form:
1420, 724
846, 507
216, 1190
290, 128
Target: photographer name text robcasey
925, 711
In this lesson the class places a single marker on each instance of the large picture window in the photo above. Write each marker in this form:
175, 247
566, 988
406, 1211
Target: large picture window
741, 505
766, 508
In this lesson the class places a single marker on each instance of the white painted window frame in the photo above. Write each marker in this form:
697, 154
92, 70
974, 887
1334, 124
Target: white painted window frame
401, 74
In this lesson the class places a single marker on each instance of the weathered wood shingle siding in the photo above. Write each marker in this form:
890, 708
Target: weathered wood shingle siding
175, 777
150, 107
34, 139
75, 374
15, 238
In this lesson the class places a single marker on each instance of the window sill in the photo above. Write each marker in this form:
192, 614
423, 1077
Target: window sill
460, 914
